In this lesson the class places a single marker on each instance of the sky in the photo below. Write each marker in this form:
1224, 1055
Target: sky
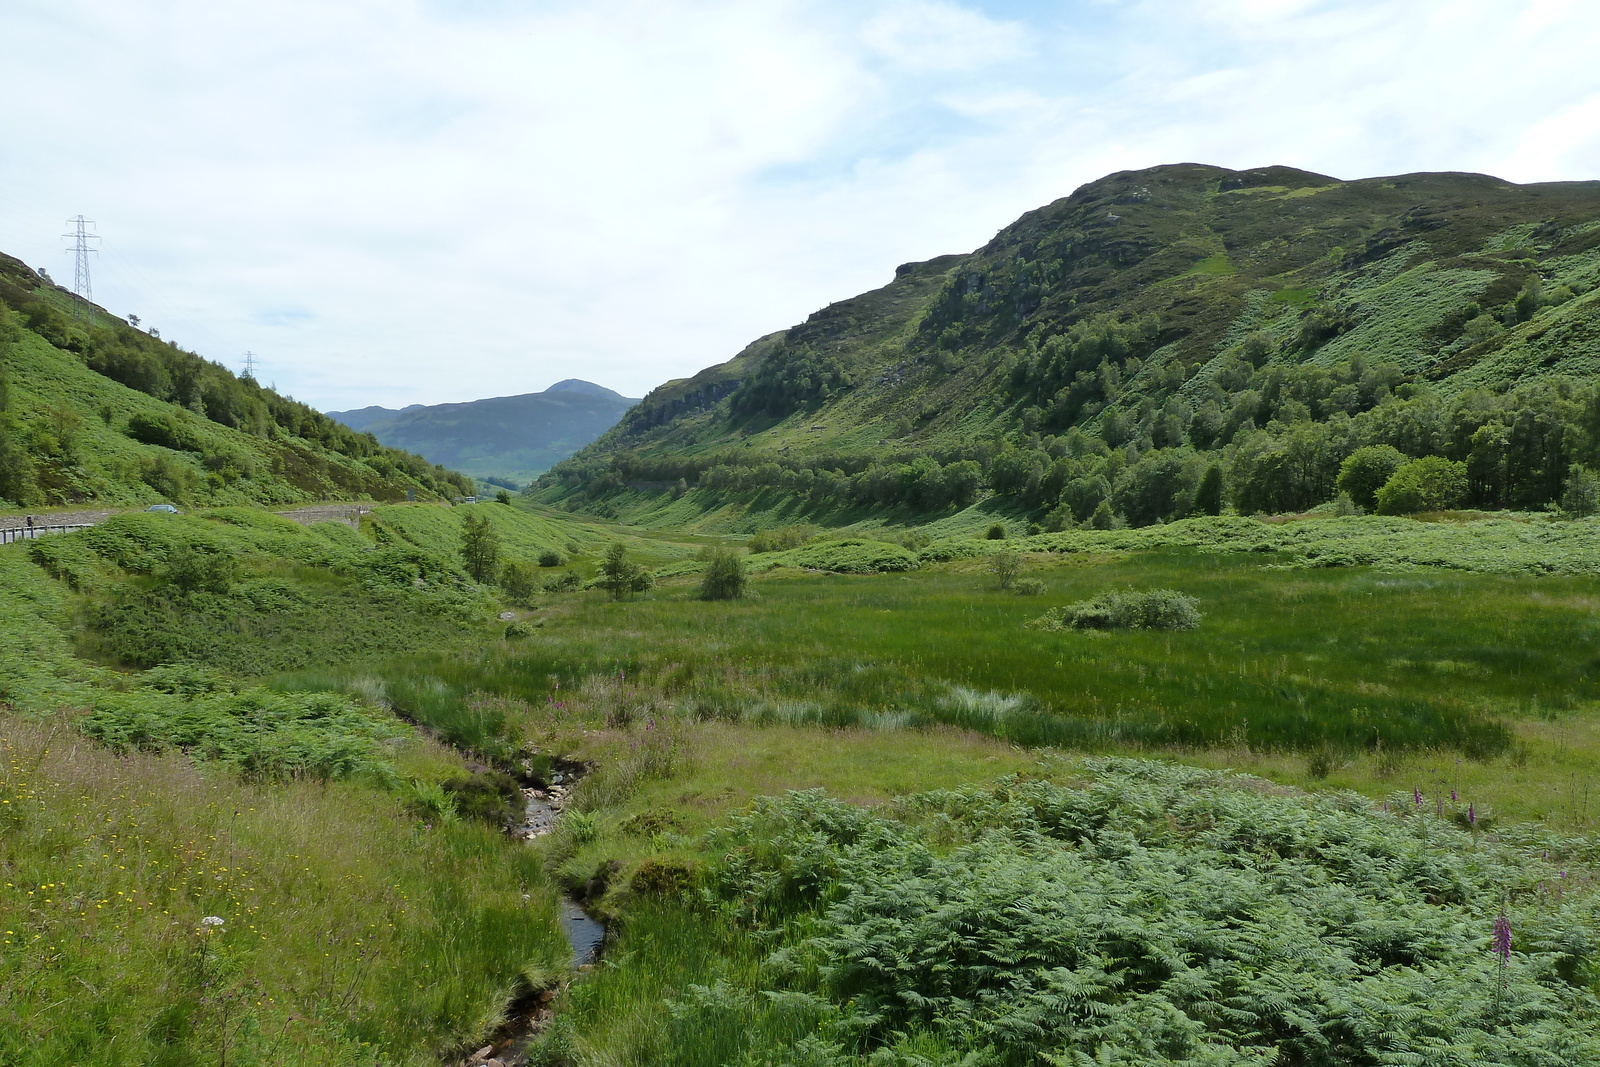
426, 201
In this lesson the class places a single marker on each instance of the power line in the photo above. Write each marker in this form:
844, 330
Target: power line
80, 277
250, 365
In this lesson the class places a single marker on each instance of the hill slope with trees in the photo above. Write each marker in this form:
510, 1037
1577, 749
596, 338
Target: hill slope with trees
1172, 341
94, 409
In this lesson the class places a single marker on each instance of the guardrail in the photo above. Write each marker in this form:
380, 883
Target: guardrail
29, 533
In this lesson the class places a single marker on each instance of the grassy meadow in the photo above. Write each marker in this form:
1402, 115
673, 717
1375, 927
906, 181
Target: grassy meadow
298, 778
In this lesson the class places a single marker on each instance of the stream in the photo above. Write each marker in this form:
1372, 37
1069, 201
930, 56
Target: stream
585, 934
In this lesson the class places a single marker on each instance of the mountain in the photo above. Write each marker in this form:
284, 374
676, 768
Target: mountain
362, 418
504, 438
93, 409
1115, 345
578, 385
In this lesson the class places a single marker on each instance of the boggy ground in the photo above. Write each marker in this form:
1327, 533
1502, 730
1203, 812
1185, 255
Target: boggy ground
388, 927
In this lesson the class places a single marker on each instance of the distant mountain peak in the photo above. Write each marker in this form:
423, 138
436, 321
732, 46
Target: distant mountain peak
578, 385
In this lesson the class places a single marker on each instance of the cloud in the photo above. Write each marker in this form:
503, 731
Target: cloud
392, 201
939, 37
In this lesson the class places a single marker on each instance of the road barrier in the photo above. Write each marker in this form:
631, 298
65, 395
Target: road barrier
29, 533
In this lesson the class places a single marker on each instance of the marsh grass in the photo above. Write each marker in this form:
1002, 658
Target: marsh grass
350, 933
1350, 659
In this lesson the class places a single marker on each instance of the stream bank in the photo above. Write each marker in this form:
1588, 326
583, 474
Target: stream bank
544, 799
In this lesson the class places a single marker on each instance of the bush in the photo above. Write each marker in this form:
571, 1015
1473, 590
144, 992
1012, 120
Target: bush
1159, 609
621, 578
1366, 470
563, 582
1432, 483
502, 497
724, 576
664, 876
1005, 566
492, 797
550, 558
163, 431
191, 570
519, 579
1028, 587
1582, 495
782, 539
996, 532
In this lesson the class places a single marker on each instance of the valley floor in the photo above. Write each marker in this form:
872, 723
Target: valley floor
871, 811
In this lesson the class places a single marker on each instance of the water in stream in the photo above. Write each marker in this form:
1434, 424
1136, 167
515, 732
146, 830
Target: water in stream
584, 933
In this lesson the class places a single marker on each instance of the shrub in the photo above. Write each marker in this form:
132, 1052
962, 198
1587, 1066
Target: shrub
492, 797
1159, 609
663, 876
1432, 483
519, 579
1365, 471
1005, 566
782, 539
190, 570
621, 578
724, 576
163, 431
563, 582
516, 631
852, 556
1582, 495
1028, 587
502, 497
550, 558
996, 532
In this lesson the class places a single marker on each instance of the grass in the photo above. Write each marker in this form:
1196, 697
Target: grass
1284, 659
871, 686
351, 932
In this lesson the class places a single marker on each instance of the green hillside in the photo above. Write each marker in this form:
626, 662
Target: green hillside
95, 410
506, 438
1165, 342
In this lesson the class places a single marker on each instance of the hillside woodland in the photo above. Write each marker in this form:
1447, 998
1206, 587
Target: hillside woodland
1169, 342
94, 409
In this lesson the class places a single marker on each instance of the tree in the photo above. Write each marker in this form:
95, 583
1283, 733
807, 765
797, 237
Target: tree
1208, 495
1432, 483
480, 548
502, 497
1005, 566
621, 577
1582, 495
1365, 470
724, 577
